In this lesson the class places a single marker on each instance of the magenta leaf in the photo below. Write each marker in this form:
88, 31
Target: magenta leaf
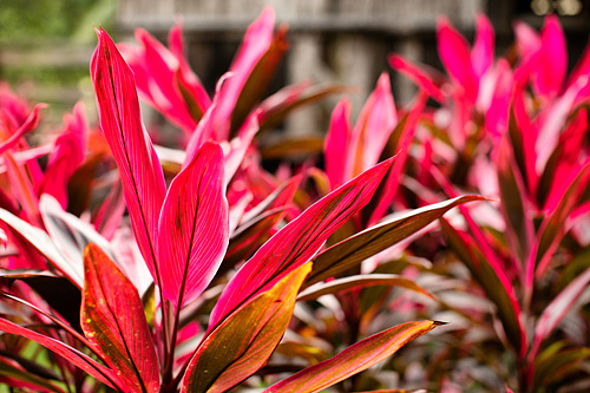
482, 53
372, 129
188, 82
551, 65
139, 168
554, 226
423, 79
113, 320
298, 241
337, 142
194, 227
404, 133
353, 359
257, 41
455, 55
515, 205
29, 124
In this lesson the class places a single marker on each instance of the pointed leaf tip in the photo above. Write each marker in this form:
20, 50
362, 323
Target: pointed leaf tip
298, 241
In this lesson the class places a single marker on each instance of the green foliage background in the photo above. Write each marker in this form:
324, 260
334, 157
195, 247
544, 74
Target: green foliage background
45, 47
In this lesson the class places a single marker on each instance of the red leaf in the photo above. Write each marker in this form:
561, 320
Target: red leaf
298, 241
140, 170
353, 359
113, 320
194, 227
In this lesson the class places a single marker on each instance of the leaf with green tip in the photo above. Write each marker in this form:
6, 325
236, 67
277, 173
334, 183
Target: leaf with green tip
242, 344
353, 359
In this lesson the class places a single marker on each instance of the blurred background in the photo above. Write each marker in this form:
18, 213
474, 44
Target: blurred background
45, 45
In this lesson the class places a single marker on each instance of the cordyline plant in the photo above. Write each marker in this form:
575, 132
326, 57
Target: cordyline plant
514, 129
198, 298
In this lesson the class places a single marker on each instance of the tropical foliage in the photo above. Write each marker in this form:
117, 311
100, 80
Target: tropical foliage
134, 267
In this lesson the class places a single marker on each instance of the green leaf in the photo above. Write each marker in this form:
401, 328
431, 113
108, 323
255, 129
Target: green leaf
26, 379
485, 275
353, 359
554, 368
514, 205
352, 251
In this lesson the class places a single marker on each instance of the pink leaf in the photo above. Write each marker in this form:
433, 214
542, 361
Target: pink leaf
193, 227
403, 149
256, 42
420, 77
298, 241
29, 124
336, 143
188, 81
482, 54
373, 127
455, 55
551, 67
496, 117
551, 121
140, 170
